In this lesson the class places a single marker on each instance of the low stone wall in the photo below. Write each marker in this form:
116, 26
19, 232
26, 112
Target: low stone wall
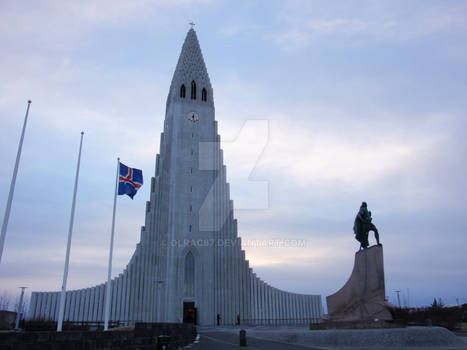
144, 336
328, 324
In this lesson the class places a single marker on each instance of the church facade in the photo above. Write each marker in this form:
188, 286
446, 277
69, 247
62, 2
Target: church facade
189, 265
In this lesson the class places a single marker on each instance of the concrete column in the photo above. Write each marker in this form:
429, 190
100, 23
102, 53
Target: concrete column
44, 306
121, 297
297, 308
253, 301
263, 302
293, 309
71, 306
144, 278
271, 304
299, 311
52, 306
87, 293
86, 304
281, 306
139, 286
118, 314
32, 307
80, 304
131, 283
305, 308
276, 306
246, 289
289, 308
102, 301
124, 289
40, 297
310, 308
131, 291
236, 276
250, 291
134, 289
92, 291
258, 299
114, 300
50, 311
225, 255
127, 295
77, 305
284, 307
57, 305
47, 306
252, 296
83, 304
301, 308
241, 289
319, 307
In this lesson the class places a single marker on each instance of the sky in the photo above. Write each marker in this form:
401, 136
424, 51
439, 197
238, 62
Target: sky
321, 105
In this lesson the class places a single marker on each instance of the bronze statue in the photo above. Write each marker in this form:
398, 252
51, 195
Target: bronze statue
363, 225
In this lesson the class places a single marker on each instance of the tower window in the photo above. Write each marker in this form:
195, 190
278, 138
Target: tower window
182, 91
193, 90
204, 95
190, 228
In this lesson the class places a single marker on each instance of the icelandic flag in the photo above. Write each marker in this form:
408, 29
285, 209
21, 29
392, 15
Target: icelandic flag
129, 180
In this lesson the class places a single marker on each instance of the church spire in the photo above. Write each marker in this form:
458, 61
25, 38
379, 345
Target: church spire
191, 69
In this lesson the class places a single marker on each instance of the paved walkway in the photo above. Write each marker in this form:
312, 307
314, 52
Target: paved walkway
227, 339
219, 340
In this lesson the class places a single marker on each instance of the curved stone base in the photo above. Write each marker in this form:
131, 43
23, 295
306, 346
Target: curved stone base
363, 296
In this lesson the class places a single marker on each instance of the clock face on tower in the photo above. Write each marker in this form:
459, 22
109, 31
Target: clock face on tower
192, 117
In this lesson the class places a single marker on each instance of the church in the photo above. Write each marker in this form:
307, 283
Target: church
189, 265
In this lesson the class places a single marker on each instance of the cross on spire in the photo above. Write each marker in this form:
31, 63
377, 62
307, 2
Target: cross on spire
191, 24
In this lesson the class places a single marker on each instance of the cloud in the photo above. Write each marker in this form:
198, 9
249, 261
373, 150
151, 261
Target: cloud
304, 22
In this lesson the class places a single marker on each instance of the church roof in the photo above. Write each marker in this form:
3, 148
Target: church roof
191, 65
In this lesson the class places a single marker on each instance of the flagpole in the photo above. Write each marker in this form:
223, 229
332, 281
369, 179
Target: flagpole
70, 230
12, 185
107, 294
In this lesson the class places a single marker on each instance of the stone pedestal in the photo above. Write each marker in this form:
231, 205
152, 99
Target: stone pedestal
362, 298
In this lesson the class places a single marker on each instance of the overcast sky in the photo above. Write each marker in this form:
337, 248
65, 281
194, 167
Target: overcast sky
325, 104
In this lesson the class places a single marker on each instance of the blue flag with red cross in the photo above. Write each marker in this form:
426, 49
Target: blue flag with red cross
129, 180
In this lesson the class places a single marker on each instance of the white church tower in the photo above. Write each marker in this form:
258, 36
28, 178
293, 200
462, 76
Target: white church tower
189, 265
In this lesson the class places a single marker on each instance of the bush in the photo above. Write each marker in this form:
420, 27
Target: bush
447, 317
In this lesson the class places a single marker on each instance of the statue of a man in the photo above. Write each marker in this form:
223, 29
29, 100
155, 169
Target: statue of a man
363, 225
